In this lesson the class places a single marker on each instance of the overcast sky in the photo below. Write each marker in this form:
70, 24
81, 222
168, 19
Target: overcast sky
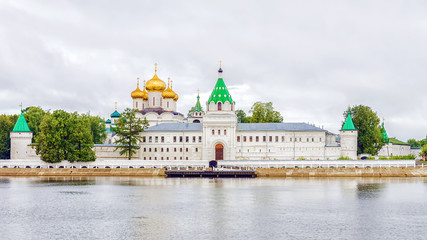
312, 59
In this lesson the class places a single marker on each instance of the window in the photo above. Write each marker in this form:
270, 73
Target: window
283, 138
186, 149
290, 139
167, 158
174, 149
145, 150
219, 132
257, 139
150, 139
213, 132
197, 149
161, 158
162, 139
277, 138
219, 106
156, 139
155, 149
225, 131
308, 140
312, 139
238, 138
200, 139
174, 158
194, 139
300, 139
145, 158
250, 139
186, 158
320, 139
167, 104
180, 158
149, 158
167, 149
161, 149
136, 104
174, 138
143, 139
270, 138
180, 138
154, 101
180, 149
149, 149
187, 138
263, 138
161, 102
244, 138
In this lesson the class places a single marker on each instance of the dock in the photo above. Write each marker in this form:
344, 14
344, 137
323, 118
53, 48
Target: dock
210, 174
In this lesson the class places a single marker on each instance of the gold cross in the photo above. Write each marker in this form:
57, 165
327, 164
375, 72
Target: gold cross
116, 105
220, 63
198, 91
155, 67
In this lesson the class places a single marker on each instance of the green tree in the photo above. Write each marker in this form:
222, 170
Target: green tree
6, 126
64, 136
365, 120
424, 151
264, 113
241, 116
413, 143
34, 116
97, 128
190, 111
128, 129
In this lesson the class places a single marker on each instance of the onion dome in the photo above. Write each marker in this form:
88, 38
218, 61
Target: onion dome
145, 94
137, 94
115, 114
168, 93
155, 84
108, 121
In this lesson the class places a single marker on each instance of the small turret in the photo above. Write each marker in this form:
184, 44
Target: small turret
348, 135
20, 139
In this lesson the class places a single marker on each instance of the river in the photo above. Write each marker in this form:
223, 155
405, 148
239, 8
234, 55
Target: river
262, 208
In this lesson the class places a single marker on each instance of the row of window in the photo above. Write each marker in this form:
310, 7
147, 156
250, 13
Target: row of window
154, 103
167, 149
224, 132
276, 139
187, 139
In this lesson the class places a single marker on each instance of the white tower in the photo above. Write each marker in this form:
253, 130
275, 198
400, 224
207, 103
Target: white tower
20, 139
219, 124
348, 135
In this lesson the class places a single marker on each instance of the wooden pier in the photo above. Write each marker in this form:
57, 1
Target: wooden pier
210, 174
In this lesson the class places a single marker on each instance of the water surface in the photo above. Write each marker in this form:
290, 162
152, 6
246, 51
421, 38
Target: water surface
158, 208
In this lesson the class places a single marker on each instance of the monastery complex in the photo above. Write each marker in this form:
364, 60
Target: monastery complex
213, 134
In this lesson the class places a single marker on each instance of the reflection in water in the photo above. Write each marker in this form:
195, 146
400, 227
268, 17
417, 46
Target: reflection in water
158, 208
369, 190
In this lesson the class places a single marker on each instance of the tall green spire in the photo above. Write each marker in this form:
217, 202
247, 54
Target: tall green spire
21, 125
220, 92
348, 125
198, 107
384, 134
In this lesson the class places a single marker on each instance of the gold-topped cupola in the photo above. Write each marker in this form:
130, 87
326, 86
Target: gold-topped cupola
155, 84
137, 94
169, 93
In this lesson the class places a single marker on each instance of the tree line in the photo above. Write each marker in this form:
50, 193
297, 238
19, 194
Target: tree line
57, 135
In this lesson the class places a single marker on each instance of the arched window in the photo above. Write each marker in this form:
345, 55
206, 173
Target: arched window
154, 101
219, 106
167, 104
136, 105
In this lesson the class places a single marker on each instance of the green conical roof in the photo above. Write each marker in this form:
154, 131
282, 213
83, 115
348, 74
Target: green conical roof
348, 125
115, 114
21, 125
198, 107
384, 134
220, 93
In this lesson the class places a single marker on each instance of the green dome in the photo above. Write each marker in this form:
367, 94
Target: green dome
348, 125
115, 114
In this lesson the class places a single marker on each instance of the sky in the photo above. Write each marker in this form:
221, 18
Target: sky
311, 59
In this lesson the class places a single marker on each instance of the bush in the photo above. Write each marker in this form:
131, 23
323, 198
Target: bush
344, 158
383, 158
301, 158
370, 158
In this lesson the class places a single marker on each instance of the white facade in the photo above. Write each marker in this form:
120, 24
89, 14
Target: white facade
20, 145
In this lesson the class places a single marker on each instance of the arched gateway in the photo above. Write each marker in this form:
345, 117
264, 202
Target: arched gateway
219, 152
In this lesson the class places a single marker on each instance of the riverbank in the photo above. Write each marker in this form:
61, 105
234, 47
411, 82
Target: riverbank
261, 172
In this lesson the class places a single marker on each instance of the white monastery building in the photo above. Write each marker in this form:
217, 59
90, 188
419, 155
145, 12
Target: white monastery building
216, 134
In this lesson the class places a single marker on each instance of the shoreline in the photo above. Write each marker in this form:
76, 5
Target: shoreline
261, 172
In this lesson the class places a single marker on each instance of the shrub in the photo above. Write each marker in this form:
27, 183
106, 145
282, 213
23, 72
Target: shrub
344, 158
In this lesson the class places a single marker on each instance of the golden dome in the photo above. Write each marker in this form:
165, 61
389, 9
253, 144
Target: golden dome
137, 93
168, 93
155, 84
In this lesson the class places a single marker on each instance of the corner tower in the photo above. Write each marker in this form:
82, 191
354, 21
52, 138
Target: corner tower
20, 139
219, 124
348, 135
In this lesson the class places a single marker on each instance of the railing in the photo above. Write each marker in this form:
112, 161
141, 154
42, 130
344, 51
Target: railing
203, 164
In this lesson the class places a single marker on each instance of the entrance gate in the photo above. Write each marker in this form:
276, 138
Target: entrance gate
219, 152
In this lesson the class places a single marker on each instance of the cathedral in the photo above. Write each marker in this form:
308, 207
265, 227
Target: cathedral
215, 134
